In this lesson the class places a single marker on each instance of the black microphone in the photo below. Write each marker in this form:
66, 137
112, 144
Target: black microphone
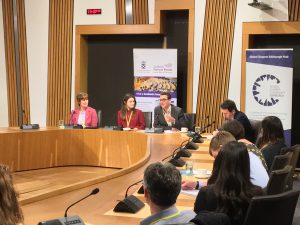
195, 124
176, 149
94, 192
130, 204
126, 193
197, 135
24, 116
207, 126
69, 219
27, 126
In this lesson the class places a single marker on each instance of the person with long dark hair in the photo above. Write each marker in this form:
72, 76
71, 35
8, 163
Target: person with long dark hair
272, 139
229, 188
10, 211
258, 165
130, 117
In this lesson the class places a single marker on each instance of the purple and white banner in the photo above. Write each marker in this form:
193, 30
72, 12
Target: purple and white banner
155, 71
269, 82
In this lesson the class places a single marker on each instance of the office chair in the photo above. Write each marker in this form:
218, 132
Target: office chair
148, 119
99, 115
191, 120
272, 209
278, 181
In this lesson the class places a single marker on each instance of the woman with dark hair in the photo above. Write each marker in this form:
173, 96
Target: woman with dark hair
84, 115
129, 117
229, 188
10, 211
272, 139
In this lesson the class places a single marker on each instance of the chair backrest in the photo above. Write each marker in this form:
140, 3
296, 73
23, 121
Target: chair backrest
280, 161
272, 209
191, 120
256, 126
148, 119
278, 181
99, 115
295, 151
209, 217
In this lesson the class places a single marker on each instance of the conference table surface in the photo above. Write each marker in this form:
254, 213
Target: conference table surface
97, 209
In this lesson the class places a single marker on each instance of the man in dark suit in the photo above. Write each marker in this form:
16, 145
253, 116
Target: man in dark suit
230, 112
168, 116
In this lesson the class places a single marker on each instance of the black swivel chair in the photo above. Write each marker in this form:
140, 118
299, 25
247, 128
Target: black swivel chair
148, 119
191, 120
280, 161
272, 209
278, 181
99, 115
295, 151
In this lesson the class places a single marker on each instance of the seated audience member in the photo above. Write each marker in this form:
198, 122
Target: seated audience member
230, 112
129, 116
258, 166
10, 211
168, 116
84, 115
216, 143
229, 188
162, 187
272, 139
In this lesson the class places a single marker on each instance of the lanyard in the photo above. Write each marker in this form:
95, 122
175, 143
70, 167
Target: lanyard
128, 120
165, 218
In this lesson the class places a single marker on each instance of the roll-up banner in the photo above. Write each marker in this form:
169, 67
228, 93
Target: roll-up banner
269, 83
155, 71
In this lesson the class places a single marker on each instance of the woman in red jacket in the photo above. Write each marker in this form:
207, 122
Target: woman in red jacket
84, 115
129, 116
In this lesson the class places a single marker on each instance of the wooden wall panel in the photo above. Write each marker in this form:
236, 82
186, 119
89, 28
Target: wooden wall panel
120, 11
59, 61
139, 12
11, 62
294, 10
215, 59
23, 63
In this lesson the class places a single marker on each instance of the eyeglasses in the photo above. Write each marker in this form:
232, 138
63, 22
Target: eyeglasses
163, 99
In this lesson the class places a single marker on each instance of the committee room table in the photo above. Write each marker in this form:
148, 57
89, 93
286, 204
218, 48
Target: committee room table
129, 151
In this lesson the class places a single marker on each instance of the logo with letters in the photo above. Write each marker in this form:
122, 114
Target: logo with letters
266, 90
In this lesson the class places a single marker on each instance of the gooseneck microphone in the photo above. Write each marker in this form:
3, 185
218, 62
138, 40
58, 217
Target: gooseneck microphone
176, 149
94, 192
24, 117
130, 204
126, 193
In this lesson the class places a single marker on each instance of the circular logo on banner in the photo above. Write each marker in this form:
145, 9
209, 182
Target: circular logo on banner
266, 90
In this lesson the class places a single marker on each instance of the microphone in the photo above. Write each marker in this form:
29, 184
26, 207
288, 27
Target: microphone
24, 116
26, 126
126, 193
130, 204
183, 152
94, 192
195, 124
207, 126
197, 135
69, 219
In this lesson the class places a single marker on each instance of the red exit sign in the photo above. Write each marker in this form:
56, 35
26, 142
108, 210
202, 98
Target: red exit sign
93, 11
